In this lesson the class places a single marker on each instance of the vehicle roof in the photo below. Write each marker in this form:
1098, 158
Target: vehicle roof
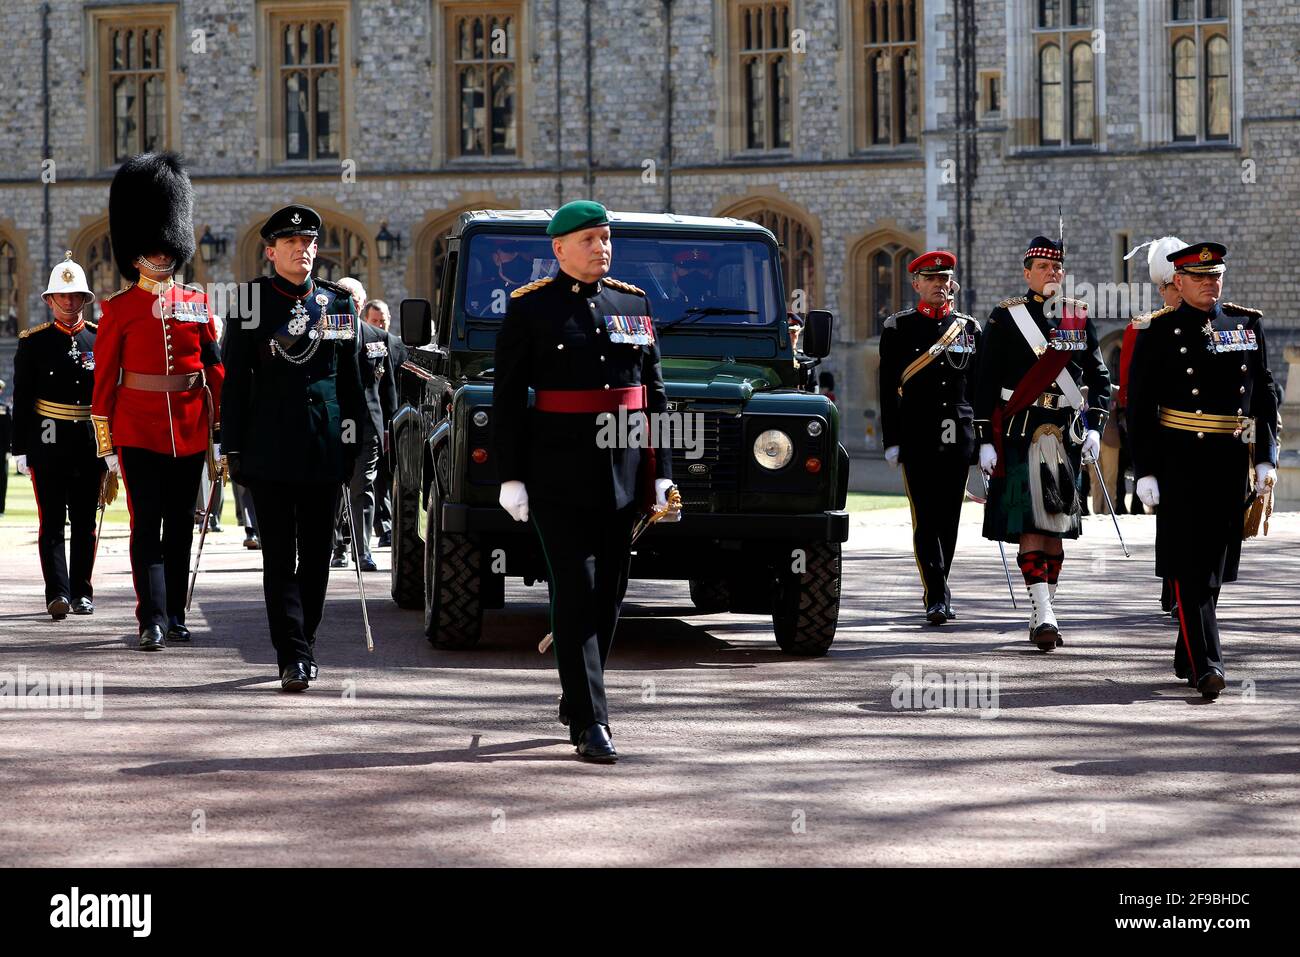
537, 220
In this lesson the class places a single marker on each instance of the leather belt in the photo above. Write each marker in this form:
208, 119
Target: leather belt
63, 410
1201, 423
590, 400
163, 383
1048, 400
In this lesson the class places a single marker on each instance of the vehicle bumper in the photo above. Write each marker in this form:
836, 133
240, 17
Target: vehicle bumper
830, 526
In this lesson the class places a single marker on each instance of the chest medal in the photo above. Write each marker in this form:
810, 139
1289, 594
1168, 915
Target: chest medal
630, 330
298, 319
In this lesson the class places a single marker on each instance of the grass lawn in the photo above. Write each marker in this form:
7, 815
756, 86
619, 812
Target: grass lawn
20, 505
866, 502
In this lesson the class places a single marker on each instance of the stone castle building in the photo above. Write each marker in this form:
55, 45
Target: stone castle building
860, 131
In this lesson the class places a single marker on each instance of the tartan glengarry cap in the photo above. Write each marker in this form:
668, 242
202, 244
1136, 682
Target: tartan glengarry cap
1042, 247
934, 263
292, 220
580, 214
1200, 259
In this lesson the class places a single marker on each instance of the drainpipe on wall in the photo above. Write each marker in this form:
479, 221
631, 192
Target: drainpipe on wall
970, 157
668, 106
45, 124
591, 174
559, 115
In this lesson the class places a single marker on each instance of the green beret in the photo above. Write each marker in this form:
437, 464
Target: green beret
580, 214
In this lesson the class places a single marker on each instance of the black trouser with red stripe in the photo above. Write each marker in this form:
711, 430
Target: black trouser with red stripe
1197, 650
588, 557
160, 492
935, 490
295, 522
67, 490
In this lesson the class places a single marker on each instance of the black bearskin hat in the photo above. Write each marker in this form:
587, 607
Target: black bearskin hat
151, 209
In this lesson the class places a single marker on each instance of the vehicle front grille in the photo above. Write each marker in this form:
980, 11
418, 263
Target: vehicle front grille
708, 481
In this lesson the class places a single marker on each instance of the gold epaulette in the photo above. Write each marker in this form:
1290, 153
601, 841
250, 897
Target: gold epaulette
1016, 301
1144, 321
27, 332
1232, 309
529, 287
623, 286
114, 295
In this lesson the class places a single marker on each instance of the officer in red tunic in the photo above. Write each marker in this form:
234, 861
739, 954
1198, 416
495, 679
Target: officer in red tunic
158, 380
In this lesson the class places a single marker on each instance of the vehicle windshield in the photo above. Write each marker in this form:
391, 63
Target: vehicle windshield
688, 281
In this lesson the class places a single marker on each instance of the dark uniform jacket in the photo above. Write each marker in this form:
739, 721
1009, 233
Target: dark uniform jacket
378, 378
555, 335
285, 419
1203, 477
933, 415
53, 366
1005, 357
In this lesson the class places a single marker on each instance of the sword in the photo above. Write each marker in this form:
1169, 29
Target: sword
99, 527
356, 560
1006, 569
203, 534
1105, 493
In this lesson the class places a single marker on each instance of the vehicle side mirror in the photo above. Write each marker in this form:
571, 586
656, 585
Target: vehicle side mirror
817, 333
416, 318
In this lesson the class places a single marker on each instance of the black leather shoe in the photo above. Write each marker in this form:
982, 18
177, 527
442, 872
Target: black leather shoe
949, 613
83, 606
563, 715
368, 564
59, 608
177, 632
386, 540
151, 639
294, 677
1211, 684
214, 525
1047, 637
251, 542
935, 614
594, 745
339, 560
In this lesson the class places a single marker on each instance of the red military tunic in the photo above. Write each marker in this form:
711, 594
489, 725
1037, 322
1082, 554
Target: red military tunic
157, 329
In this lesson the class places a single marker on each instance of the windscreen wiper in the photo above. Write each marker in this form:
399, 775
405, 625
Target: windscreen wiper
699, 312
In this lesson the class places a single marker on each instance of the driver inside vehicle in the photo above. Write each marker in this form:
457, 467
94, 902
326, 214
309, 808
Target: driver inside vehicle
694, 276
506, 266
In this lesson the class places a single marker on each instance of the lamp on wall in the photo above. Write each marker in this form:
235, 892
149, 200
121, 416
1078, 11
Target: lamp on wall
386, 243
210, 247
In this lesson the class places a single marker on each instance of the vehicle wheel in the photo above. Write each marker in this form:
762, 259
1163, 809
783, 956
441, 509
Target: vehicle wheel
808, 605
408, 547
710, 595
453, 612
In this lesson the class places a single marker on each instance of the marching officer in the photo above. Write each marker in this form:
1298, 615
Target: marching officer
586, 344
926, 419
1035, 429
293, 418
54, 376
158, 381
1203, 417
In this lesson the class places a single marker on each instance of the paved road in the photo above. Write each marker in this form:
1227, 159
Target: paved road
734, 754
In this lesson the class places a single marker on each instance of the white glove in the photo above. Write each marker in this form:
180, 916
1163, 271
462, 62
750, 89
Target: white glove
988, 458
1149, 490
661, 492
514, 499
111, 461
1091, 446
21, 462
1265, 476
891, 455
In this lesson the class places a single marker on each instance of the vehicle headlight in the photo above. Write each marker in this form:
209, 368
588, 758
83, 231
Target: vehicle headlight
480, 418
773, 449
814, 428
